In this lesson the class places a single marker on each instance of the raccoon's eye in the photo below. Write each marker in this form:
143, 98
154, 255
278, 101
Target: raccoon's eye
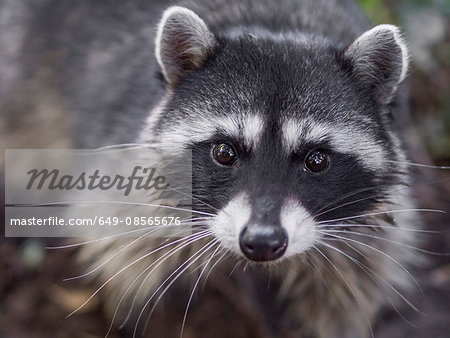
316, 161
224, 154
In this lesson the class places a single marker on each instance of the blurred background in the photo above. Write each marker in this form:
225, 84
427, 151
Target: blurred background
426, 27
34, 301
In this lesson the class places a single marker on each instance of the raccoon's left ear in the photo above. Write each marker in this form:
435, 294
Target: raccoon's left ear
182, 42
379, 58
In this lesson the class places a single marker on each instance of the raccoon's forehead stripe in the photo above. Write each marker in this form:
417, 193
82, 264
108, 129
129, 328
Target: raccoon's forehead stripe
346, 139
294, 132
246, 128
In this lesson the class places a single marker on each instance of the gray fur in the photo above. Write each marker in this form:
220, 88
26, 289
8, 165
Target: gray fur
182, 43
106, 79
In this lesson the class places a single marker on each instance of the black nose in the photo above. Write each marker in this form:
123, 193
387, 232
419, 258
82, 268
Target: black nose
263, 243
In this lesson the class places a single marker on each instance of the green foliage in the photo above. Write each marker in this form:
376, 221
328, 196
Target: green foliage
377, 11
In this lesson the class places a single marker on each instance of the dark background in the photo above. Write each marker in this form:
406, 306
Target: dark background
34, 300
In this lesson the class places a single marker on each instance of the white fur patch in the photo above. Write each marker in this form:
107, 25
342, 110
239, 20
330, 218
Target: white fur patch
244, 128
248, 128
299, 225
294, 132
229, 222
347, 140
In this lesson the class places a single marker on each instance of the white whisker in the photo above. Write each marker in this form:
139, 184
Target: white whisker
115, 254
352, 225
118, 202
199, 253
329, 231
381, 213
349, 287
323, 210
67, 246
195, 198
217, 262
380, 252
419, 165
161, 259
364, 266
186, 241
119, 272
193, 290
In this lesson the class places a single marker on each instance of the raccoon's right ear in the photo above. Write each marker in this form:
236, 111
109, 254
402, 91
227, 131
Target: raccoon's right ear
182, 42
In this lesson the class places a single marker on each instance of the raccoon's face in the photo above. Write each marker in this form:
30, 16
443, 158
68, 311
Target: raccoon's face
285, 133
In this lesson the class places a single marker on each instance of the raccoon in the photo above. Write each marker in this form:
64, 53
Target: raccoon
290, 110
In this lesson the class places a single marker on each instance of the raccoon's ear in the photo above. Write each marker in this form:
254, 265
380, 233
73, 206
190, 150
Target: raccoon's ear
182, 42
379, 57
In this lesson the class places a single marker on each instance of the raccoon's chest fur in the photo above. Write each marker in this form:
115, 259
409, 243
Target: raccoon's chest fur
288, 109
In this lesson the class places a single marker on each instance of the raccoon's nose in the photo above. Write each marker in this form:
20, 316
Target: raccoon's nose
263, 243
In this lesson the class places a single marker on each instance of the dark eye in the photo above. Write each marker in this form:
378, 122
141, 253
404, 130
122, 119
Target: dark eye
316, 161
224, 154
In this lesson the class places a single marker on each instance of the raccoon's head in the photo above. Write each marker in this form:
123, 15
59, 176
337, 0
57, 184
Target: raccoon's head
286, 130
